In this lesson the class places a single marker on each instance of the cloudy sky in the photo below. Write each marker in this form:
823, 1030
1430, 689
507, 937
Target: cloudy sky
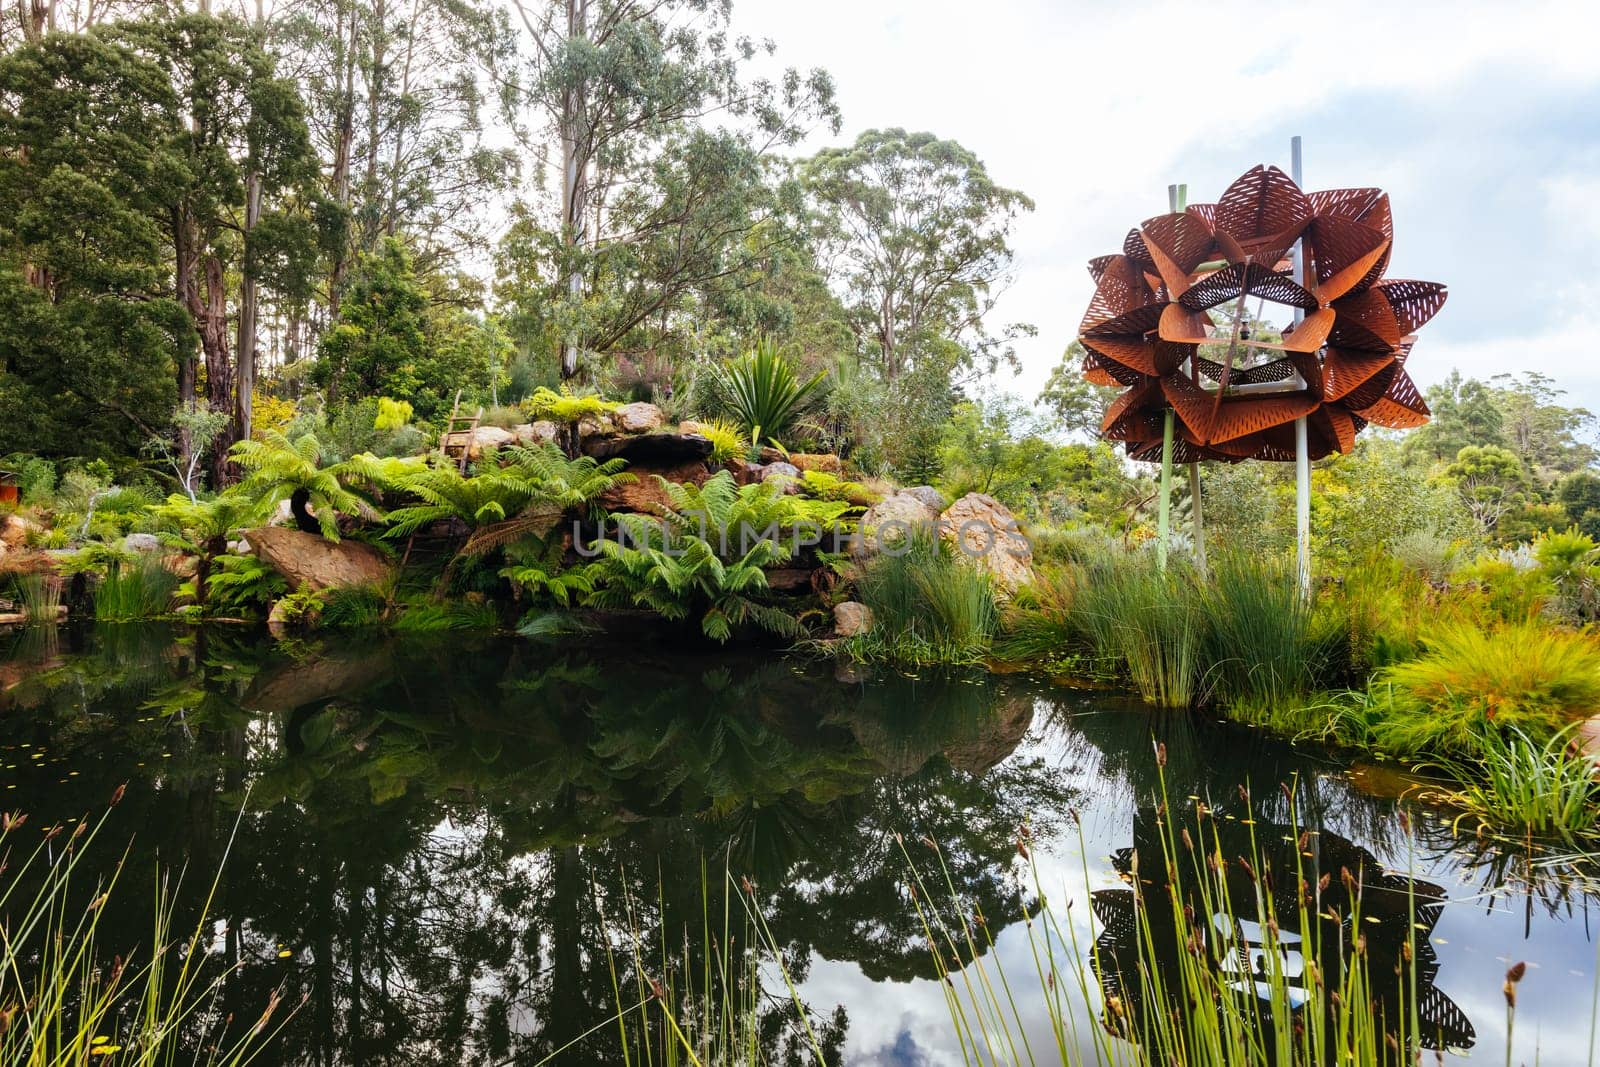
1482, 121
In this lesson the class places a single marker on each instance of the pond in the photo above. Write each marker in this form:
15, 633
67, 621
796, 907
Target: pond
439, 835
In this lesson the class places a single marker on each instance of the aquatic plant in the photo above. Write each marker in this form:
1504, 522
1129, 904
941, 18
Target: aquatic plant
40, 596
61, 1001
763, 390
1260, 643
138, 588
1474, 681
1147, 620
928, 607
1529, 786
1037, 625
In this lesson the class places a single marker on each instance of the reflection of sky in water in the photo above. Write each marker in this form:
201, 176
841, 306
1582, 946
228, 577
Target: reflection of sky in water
1477, 937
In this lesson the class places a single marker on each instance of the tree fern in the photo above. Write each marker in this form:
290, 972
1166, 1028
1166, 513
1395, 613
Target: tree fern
278, 469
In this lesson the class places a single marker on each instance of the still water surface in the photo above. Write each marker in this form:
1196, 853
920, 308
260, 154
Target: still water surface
437, 834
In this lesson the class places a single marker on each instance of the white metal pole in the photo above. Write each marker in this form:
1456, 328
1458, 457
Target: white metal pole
1177, 200
1302, 454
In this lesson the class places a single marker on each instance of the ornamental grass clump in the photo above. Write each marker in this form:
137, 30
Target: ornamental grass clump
928, 607
1261, 643
1474, 682
1528, 786
1147, 622
139, 588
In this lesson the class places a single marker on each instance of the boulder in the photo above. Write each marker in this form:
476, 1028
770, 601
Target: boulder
478, 441
929, 496
543, 432
593, 426
638, 418
141, 542
744, 472
647, 496
789, 579
691, 426
825, 462
851, 618
895, 517
650, 450
986, 534
786, 474
14, 530
306, 560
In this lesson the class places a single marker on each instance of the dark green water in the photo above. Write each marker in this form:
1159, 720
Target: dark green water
438, 835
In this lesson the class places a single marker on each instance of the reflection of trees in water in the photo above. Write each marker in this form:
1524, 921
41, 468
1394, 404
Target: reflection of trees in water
1340, 880
445, 835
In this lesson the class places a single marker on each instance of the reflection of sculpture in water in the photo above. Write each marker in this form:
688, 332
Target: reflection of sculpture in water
1342, 879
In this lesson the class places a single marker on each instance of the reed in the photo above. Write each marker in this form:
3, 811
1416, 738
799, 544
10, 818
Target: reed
1529, 786
928, 608
40, 596
1148, 621
62, 1002
1260, 642
137, 588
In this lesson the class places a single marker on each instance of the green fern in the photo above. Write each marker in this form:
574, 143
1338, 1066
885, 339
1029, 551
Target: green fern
278, 469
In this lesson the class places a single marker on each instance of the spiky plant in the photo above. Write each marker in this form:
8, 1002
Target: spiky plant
764, 391
279, 469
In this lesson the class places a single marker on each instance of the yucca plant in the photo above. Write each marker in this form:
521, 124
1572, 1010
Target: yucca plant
278, 469
764, 391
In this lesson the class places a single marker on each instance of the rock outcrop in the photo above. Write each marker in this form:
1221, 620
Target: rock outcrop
638, 418
824, 462
851, 618
892, 519
543, 432
478, 441
306, 560
650, 450
647, 496
987, 535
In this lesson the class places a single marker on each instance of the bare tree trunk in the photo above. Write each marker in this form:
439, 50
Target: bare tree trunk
392, 214
184, 263
343, 149
574, 174
212, 318
380, 57
249, 303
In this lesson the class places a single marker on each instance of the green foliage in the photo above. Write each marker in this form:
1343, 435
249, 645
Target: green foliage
388, 341
1472, 682
40, 595
928, 607
243, 586
566, 408
764, 391
301, 609
1037, 626
392, 414
1147, 622
278, 469
821, 485
920, 236
1077, 403
138, 588
1540, 787
720, 536
727, 440
1261, 645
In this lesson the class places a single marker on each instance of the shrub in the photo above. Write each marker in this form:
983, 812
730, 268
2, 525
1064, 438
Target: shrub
928, 607
1474, 682
1528, 785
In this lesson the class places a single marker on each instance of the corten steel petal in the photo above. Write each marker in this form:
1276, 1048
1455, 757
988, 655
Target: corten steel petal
1341, 368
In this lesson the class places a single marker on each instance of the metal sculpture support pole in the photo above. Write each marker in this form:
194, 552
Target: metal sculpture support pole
1302, 453
1164, 513
1177, 201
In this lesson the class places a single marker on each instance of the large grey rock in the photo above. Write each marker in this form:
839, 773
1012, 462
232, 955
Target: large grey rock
891, 520
543, 432
141, 542
307, 561
851, 618
785, 474
638, 418
478, 441
986, 535
929, 496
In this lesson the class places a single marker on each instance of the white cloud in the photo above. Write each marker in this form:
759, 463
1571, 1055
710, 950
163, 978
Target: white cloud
1092, 109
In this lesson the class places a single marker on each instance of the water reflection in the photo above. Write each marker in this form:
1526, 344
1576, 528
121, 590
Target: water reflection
1311, 897
445, 835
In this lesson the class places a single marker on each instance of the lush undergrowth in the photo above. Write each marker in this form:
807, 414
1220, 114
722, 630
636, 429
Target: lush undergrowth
928, 607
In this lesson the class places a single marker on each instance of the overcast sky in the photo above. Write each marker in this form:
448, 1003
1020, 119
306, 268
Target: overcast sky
1482, 121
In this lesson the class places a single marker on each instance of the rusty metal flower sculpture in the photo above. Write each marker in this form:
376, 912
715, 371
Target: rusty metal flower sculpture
1341, 368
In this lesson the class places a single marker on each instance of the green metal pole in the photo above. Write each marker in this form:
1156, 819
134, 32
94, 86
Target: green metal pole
1164, 514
